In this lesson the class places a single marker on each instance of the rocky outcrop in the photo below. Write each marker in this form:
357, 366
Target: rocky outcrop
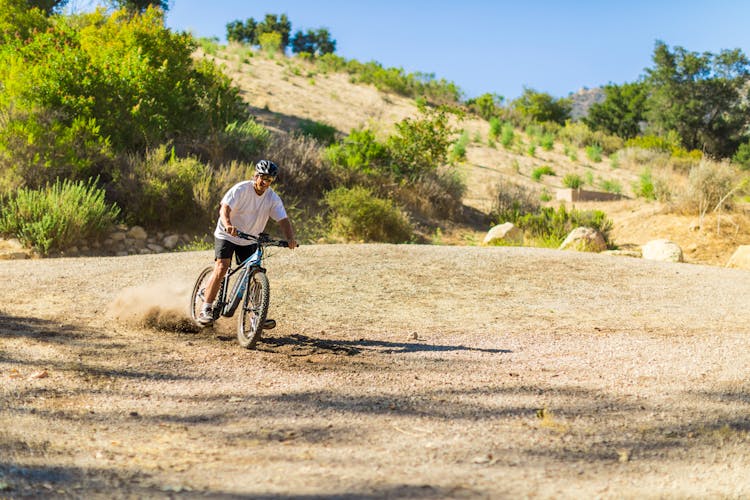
584, 239
662, 250
504, 234
740, 259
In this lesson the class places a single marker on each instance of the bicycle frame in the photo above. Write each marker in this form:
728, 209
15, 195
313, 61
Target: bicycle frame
228, 301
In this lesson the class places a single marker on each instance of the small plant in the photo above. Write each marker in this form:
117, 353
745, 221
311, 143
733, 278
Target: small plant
545, 196
594, 153
614, 161
742, 156
458, 151
531, 149
196, 245
541, 171
547, 142
507, 136
611, 186
572, 181
495, 128
644, 187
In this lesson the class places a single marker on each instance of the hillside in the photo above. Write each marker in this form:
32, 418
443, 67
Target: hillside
284, 91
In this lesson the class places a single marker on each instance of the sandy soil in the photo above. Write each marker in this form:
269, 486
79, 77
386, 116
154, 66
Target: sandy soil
395, 372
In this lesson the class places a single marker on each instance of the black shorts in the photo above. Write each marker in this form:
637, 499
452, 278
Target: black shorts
224, 249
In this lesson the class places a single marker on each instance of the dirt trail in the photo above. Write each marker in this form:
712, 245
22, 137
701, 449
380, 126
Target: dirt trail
396, 371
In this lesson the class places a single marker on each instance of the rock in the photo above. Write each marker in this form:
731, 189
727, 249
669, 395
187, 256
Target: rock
155, 248
13, 249
117, 236
170, 241
584, 239
137, 233
662, 250
740, 259
504, 234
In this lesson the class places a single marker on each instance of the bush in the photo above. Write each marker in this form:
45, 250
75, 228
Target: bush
495, 128
572, 181
594, 153
507, 135
58, 216
550, 227
242, 141
742, 156
360, 151
511, 201
321, 132
358, 215
458, 151
541, 171
710, 186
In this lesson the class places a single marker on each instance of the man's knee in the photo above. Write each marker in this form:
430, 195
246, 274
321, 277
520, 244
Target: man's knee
221, 266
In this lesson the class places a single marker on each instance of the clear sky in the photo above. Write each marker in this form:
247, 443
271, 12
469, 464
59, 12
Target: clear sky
497, 46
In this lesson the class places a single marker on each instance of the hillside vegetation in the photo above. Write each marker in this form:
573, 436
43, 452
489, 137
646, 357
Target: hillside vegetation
161, 124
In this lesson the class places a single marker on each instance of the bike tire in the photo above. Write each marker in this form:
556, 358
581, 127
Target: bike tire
254, 310
196, 298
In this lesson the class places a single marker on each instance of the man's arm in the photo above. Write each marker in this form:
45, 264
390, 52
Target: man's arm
286, 228
226, 221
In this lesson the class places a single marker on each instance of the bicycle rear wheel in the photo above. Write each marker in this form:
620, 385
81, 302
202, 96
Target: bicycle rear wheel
254, 310
199, 289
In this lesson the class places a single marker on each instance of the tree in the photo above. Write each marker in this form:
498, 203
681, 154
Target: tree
140, 6
486, 105
47, 6
274, 24
237, 31
703, 97
317, 42
542, 107
622, 112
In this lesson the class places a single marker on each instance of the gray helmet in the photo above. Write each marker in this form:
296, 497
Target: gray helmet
266, 167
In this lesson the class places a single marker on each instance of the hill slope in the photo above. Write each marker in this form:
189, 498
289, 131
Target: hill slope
396, 371
283, 91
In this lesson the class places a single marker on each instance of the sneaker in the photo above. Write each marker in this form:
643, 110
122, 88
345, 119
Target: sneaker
269, 324
206, 317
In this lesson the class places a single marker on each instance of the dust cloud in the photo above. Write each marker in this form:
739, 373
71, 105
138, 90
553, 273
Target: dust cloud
160, 306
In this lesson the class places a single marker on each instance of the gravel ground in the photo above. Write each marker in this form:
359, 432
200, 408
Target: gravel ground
395, 372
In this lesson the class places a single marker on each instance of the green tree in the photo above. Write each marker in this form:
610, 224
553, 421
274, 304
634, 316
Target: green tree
316, 42
48, 6
237, 31
274, 24
622, 112
19, 20
702, 97
542, 107
486, 105
140, 6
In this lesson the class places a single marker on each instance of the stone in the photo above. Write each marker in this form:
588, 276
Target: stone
740, 259
504, 234
584, 239
137, 233
155, 248
117, 236
662, 250
170, 241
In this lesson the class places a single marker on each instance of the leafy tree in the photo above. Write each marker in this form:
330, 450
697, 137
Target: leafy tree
622, 112
237, 31
316, 42
486, 105
140, 6
702, 97
48, 6
274, 24
18, 20
542, 107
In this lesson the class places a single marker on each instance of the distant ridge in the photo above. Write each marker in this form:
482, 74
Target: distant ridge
583, 99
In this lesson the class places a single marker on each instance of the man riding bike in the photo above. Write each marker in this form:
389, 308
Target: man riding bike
247, 206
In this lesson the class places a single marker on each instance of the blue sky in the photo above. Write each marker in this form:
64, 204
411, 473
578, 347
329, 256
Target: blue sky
497, 46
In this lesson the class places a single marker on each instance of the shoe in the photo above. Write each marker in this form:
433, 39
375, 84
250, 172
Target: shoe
269, 324
206, 317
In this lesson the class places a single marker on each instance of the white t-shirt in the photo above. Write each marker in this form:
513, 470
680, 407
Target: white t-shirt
250, 211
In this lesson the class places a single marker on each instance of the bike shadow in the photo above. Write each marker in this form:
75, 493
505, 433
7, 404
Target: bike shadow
299, 341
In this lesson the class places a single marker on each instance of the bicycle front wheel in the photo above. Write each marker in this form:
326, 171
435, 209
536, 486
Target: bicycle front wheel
254, 310
199, 290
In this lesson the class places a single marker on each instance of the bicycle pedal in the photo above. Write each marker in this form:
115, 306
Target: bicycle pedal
269, 324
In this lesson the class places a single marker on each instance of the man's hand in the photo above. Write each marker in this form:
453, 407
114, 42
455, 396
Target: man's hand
292, 244
231, 230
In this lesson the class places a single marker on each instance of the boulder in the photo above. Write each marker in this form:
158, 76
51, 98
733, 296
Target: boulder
584, 239
13, 249
740, 259
137, 233
170, 242
662, 250
504, 234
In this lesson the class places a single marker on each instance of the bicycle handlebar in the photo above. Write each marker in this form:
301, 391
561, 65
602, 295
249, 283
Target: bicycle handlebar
263, 239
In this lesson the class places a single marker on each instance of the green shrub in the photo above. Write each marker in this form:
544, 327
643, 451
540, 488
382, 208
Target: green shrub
458, 151
58, 216
547, 142
495, 128
359, 151
550, 227
541, 171
242, 141
594, 153
742, 156
356, 214
572, 181
507, 135
644, 187
611, 186
321, 132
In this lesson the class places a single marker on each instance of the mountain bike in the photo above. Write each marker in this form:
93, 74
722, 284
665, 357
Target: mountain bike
245, 284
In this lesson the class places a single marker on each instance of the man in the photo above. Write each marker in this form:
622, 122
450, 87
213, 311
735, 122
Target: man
247, 206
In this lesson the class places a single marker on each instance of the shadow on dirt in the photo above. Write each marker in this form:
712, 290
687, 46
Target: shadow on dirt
355, 347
